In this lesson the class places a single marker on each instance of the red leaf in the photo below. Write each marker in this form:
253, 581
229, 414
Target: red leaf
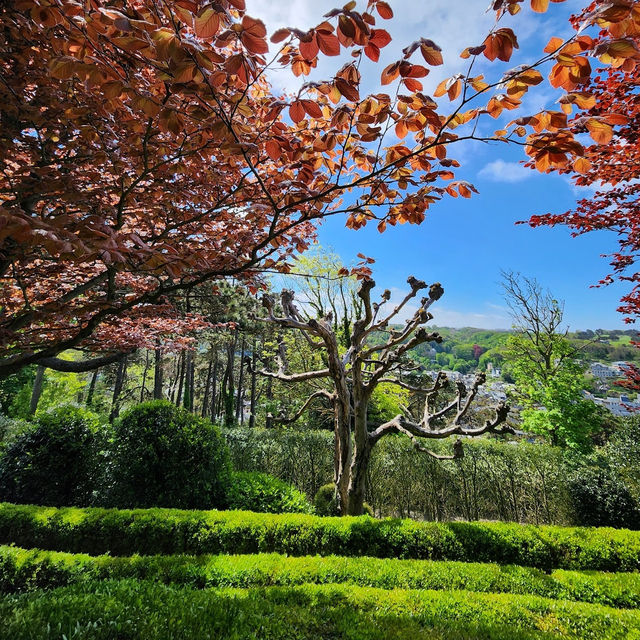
372, 52
384, 10
296, 112
347, 90
312, 108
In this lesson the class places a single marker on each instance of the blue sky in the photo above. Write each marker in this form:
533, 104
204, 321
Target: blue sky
465, 243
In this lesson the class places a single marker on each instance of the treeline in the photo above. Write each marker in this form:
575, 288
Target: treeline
495, 480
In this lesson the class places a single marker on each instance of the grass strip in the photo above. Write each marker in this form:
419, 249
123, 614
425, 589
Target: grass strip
135, 609
31, 569
171, 531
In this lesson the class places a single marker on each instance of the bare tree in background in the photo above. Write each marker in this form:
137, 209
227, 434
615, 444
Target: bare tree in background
354, 373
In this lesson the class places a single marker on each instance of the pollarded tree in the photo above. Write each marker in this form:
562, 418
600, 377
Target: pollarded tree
355, 373
143, 152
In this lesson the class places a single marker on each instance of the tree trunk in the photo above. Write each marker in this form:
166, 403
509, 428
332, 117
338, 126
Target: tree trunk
188, 380
37, 390
214, 387
228, 384
157, 374
117, 389
92, 388
181, 378
207, 387
145, 372
239, 408
254, 377
359, 461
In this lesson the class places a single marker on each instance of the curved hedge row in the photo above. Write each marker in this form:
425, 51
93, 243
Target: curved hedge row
143, 610
170, 531
30, 569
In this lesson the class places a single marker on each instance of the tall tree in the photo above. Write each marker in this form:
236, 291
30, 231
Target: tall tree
355, 373
143, 152
547, 372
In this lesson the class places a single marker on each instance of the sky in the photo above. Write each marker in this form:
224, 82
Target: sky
465, 243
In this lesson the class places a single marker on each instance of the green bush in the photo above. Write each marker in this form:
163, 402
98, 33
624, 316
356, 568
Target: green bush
162, 455
30, 569
53, 461
325, 501
602, 499
254, 491
143, 610
158, 531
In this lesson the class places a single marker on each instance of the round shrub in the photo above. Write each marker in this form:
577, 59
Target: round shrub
254, 491
163, 456
601, 499
325, 502
53, 461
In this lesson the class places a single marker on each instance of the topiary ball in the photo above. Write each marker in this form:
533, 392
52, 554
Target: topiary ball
163, 456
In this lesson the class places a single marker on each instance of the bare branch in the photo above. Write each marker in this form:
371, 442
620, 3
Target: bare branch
318, 394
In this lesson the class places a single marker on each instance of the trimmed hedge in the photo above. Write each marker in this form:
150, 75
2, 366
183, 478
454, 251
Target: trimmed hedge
170, 531
138, 609
30, 569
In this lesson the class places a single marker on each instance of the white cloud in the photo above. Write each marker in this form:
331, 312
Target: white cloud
495, 316
442, 21
501, 171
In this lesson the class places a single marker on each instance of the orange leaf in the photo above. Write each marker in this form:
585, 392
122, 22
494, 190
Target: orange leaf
431, 52
273, 149
280, 35
413, 85
380, 38
390, 73
553, 45
207, 23
540, 6
582, 165
600, 131
296, 112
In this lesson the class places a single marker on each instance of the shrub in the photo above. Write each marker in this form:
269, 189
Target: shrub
325, 501
54, 461
601, 499
157, 531
162, 455
254, 491
31, 569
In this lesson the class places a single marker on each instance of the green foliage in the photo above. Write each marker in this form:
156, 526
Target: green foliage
255, 491
30, 569
15, 391
387, 401
325, 502
154, 531
53, 461
144, 610
162, 455
551, 394
600, 498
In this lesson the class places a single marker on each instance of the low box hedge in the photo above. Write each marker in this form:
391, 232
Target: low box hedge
30, 569
169, 531
135, 609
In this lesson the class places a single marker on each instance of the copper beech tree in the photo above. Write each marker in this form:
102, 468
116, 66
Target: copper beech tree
143, 152
353, 374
